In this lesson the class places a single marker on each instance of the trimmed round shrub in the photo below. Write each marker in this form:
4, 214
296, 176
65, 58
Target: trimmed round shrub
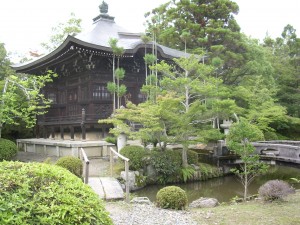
71, 163
275, 190
171, 197
8, 149
136, 154
39, 193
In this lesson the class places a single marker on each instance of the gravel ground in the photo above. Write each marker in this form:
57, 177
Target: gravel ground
140, 214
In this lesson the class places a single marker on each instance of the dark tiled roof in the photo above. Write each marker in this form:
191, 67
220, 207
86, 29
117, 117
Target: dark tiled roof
97, 38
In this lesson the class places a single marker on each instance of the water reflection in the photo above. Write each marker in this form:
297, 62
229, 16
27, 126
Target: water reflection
225, 188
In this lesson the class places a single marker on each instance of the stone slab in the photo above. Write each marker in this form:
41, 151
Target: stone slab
96, 185
112, 188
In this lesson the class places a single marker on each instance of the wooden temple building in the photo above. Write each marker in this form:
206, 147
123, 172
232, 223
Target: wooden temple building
84, 65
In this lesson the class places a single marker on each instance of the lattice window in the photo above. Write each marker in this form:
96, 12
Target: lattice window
73, 110
100, 92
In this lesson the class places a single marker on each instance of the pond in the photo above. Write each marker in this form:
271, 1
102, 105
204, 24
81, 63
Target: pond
225, 188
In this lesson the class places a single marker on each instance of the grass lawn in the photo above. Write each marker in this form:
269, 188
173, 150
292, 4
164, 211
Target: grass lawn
255, 212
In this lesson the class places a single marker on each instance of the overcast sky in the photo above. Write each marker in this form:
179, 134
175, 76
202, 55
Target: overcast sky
25, 24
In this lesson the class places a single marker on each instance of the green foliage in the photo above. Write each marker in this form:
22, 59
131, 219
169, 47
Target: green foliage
208, 171
140, 180
171, 197
150, 59
38, 193
111, 139
296, 180
61, 31
275, 190
8, 149
211, 135
5, 69
238, 141
201, 26
187, 173
192, 157
136, 154
167, 165
120, 73
269, 136
71, 163
21, 99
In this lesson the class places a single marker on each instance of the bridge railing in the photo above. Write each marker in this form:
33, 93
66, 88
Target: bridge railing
86, 166
126, 160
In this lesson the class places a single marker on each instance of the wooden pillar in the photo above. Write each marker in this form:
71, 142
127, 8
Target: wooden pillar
72, 133
83, 130
44, 132
52, 133
61, 132
38, 131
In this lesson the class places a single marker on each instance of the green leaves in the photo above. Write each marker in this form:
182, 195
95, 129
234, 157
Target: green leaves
21, 99
37, 193
238, 141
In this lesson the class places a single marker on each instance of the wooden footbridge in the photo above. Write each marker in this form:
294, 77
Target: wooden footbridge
108, 188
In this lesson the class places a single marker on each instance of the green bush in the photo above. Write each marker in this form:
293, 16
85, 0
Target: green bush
192, 157
111, 139
275, 190
136, 154
171, 197
39, 193
167, 165
8, 149
71, 163
270, 136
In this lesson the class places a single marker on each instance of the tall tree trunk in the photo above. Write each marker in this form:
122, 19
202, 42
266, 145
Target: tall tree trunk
118, 94
246, 182
184, 156
114, 81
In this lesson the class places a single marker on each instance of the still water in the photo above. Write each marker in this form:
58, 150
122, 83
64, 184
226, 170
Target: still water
225, 188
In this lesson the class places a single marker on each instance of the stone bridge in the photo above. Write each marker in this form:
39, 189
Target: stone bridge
286, 151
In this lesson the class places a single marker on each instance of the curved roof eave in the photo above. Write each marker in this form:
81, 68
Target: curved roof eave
164, 51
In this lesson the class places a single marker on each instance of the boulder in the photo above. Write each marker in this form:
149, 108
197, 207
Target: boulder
135, 180
141, 200
131, 178
204, 203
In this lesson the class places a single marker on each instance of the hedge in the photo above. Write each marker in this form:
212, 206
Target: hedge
38, 193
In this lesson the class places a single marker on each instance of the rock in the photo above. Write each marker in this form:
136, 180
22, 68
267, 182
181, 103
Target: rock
204, 203
141, 200
195, 167
151, 172
131, 178
135, 180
